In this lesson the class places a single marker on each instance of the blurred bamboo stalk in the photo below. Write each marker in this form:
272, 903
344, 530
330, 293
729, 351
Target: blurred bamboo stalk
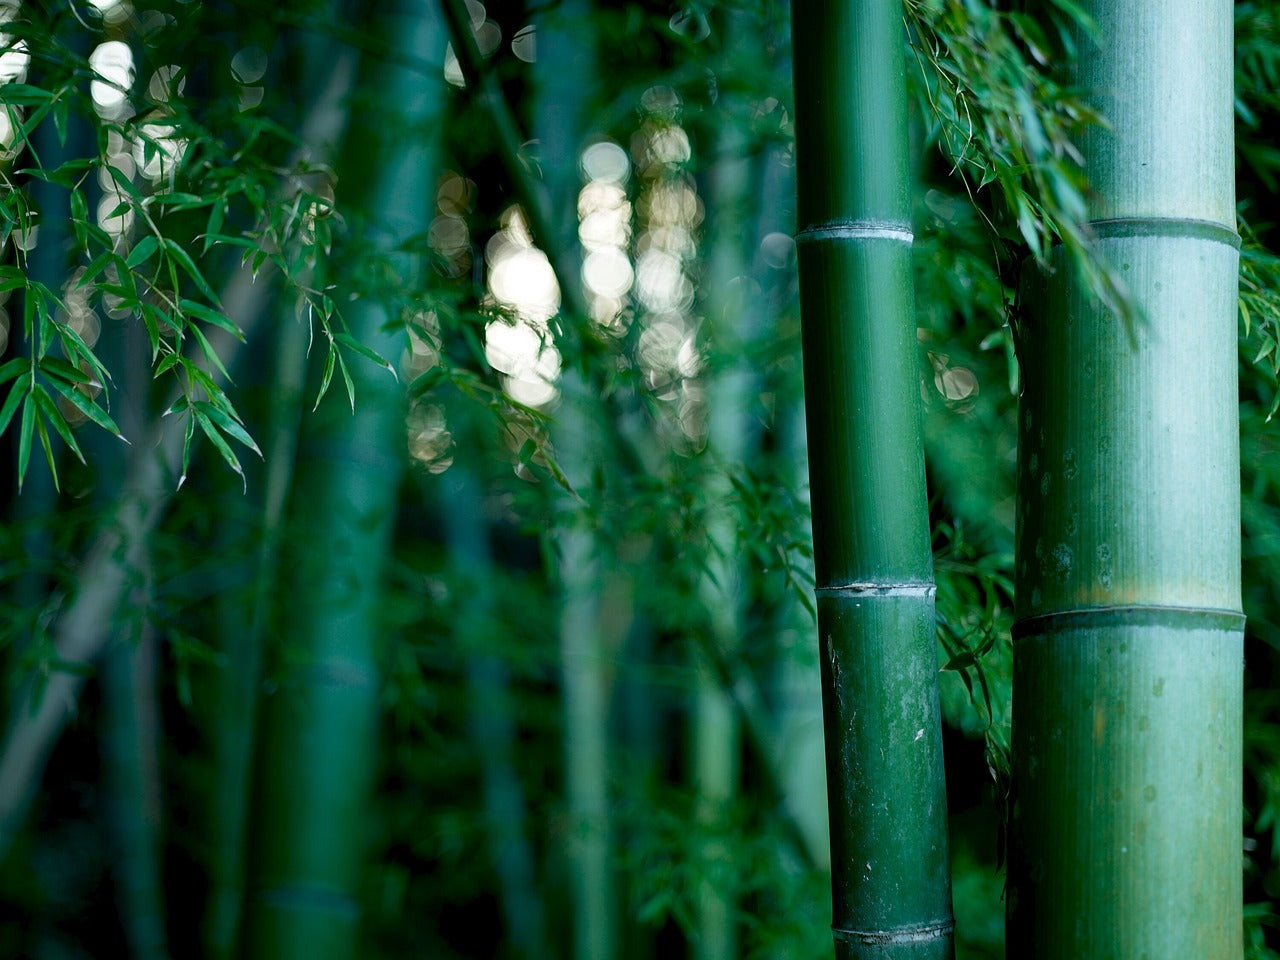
317, 754
564, 77
132, 748
492, 714
236, 685
717, 739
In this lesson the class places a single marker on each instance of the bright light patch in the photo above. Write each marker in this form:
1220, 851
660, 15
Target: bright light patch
525, 44
607, 273
113, 63
249, 65
606, 162
14, 61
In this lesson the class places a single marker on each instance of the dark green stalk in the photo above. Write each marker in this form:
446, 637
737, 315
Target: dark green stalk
873, 561
492, 715
1127, 660
317, 754
236, 687
132, 747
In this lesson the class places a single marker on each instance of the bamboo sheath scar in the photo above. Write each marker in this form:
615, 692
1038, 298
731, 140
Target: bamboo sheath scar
875, 597
1126, 812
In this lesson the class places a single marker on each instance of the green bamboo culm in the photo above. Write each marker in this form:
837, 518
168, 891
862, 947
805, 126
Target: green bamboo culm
1126, 814
891, 885
318, 746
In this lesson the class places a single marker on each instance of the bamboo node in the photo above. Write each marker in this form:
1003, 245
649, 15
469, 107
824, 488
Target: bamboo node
919, 934
856, 230
879, 588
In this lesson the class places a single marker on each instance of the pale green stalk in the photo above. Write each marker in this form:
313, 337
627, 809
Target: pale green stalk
1128, 648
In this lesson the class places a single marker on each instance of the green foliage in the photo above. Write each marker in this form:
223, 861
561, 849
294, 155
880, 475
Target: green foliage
1001, 118
186, 187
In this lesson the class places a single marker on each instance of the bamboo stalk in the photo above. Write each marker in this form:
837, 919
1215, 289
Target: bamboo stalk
563, 81
235, 689
874, 567
1127, 659
319, 732
131, 747
493, 713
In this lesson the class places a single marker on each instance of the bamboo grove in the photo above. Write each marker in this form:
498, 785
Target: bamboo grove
612, 481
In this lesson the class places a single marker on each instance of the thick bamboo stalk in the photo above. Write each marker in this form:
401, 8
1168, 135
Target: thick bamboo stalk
318, 749
874, 567
1127, 659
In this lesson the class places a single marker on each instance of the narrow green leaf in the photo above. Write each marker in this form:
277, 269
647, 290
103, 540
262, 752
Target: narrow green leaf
221, 445
352, 343
16, 393
55, 417
88, 408
25, 431
142, 251
187, 264
327, 376
81, 349
127, 186
227, 425
167, 363
214, 225
201, 312
186, 445
13, 368
346, 381
209, 353
96, 266
59, 368
43, 433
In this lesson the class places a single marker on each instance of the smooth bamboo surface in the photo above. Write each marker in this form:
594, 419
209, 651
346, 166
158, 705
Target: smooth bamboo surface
890, 872
1125, 833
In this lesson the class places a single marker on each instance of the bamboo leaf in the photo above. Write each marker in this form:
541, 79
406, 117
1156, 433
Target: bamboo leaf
201, 312
353, 344
220, 444
25, 430
143, 251
16, 394
227, 425
43, 433
184, 260
88, 408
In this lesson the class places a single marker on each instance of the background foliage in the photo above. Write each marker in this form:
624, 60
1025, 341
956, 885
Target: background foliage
182, 242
